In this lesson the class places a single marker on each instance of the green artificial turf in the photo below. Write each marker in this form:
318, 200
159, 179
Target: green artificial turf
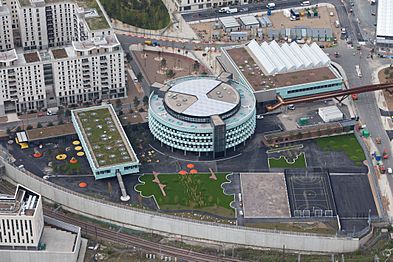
344, 143
189, 192
103, 133
300, 162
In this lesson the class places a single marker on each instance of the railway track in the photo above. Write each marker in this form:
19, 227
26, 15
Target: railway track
93, 230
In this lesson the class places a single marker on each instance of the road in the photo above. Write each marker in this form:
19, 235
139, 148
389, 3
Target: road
346, 19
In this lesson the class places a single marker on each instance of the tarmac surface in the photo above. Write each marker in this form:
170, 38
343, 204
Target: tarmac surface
352, 194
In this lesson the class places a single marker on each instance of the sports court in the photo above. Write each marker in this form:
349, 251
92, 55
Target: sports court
264, 195
310, 194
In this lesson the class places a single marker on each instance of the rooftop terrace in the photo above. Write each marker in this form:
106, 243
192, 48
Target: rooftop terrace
259, 81
104, 137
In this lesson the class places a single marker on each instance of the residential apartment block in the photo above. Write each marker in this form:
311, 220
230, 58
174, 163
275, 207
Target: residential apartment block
21, 219
66, 53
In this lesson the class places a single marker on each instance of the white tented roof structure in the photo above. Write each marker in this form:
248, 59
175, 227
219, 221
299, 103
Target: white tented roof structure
229, 22
249, 20
275, 59
385, 18
260, 58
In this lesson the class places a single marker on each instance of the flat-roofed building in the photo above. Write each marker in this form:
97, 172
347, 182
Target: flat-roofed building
106, 145
229, 24
384, 33
21, 219
288, 70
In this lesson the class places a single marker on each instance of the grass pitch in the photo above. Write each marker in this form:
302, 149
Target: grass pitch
344, 143
189, 192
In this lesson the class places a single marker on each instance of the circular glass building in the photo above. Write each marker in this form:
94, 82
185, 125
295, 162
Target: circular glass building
202, 114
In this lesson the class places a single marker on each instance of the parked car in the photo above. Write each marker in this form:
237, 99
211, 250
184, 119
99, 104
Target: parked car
390, 170
291, 107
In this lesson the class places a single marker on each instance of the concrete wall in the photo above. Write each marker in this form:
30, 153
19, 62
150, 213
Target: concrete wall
130, 217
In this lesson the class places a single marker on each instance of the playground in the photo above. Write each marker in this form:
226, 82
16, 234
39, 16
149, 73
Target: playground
343, 143
187, 191
288, 159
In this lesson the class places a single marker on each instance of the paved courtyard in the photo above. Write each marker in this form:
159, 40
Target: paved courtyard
264, 195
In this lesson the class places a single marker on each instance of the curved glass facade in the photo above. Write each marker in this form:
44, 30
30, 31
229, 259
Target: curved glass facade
180, 134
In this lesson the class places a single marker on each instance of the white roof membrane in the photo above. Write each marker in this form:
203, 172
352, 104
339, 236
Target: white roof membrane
260, 58
301, 55
385, 18
290, 66
272, 56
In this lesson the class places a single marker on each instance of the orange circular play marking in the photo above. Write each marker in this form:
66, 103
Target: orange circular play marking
82, 184
73, 160
78, 148
61, 156
76, 142
182, 172
193, 171
80, 153
37, 155
190, 166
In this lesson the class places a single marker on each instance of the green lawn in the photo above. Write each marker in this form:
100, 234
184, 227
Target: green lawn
300, 162
345, 143
148, 14
189, 192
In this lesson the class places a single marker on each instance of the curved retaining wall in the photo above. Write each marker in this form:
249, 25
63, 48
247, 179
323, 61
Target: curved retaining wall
133, 217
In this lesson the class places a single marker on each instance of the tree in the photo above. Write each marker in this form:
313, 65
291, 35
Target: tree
204, 73
39, 125
118, 104
163, 63
170, 73
136, 102
139, 76
49, 124
18, 128
196, 66
67, 113
61, 122
145, 101
8, 131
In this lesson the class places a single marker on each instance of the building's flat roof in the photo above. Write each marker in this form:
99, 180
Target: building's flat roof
59, 53
97, 42
229, 21
259, 81
156, 106
103, 136
50, 132
32, 57
385, 18
8, 56
24, 202
202, 97
249, 20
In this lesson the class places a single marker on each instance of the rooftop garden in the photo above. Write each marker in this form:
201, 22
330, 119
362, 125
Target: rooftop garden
104, 139
98, 22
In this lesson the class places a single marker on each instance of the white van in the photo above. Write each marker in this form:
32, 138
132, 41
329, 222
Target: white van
270, 5
223, 9
304, 3
337, 24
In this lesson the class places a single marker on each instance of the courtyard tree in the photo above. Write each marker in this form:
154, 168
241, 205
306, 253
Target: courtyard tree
136, 102
196, 66
28, 127
139, 76
170, 73
118, 104
163, 63
50, 124
145, 101
39, 125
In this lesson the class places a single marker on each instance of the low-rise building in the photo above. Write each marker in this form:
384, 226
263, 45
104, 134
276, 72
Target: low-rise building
288, 70
229, 24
